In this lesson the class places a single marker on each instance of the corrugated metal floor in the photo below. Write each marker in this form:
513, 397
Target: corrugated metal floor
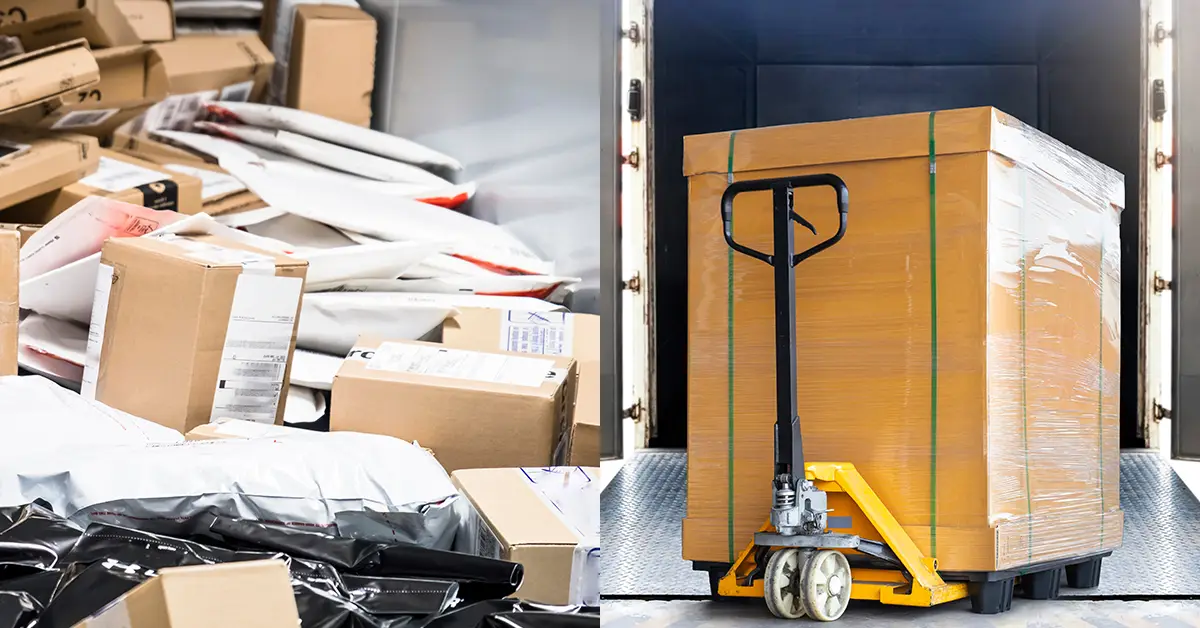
642, 508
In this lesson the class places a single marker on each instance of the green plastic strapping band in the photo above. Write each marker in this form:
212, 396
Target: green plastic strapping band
729, 359
1025, 371
933, 326
1100, 379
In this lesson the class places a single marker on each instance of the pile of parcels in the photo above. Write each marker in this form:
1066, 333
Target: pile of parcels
259, 364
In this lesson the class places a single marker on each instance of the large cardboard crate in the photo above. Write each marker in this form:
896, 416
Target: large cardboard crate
961, 346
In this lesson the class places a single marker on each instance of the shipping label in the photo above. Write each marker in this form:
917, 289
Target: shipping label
458, 364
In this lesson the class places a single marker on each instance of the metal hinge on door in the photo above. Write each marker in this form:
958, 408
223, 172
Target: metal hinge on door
633, 159
1161, 159
1160, 284
1161, 33
1160, 412
633, 412
1159, 100
633, 33
633, 284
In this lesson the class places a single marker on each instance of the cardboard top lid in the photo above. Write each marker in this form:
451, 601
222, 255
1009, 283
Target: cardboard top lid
332, 12
120, 52
204, 251
521, 371
514, 509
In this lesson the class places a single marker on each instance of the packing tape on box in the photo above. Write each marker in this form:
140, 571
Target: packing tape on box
573, 495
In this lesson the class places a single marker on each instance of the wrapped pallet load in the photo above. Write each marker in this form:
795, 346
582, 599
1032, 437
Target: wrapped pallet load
961, 345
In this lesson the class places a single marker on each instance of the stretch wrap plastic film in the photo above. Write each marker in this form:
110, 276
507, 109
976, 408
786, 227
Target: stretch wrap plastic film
961, 346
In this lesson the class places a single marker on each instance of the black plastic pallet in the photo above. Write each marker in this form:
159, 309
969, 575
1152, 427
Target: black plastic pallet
992, 592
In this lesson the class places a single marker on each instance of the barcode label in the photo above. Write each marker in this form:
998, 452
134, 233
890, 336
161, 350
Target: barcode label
11, 149
258, 370
238, 92
84, 119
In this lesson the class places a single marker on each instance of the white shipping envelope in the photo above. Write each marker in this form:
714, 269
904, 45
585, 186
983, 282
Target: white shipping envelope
64, 340
59, 371
311, 369
325, 154
218, 9
335, 131
442, 265
214, 185
328, 269
304, 405
250, 217
534, 286
41, 417
299, 232
291, 189
331, 322
82, 229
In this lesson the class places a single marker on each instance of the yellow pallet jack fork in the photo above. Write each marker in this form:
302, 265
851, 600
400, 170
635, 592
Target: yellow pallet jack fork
800, 560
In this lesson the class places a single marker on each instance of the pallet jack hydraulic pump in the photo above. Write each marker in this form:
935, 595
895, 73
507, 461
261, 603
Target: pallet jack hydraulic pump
804, 561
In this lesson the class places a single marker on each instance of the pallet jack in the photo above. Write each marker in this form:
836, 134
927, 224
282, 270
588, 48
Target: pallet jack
804, 561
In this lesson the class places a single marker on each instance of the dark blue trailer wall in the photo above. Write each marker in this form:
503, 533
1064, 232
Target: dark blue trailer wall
1073, 68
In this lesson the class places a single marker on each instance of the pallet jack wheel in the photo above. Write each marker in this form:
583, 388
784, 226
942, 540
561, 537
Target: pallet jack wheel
826, 582
782, 583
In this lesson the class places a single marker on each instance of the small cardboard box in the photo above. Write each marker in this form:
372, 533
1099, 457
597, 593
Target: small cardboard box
220, 192
154, 151
10, 250
118, 177
42, 23
187, 330
122, 94
475, 409
550, 333
46, 75
152, 20
204, 67
546, 519
33, 163
338, 85
23, 230
252, 593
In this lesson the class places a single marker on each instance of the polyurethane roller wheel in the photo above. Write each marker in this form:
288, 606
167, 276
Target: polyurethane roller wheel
825, 585
781, 585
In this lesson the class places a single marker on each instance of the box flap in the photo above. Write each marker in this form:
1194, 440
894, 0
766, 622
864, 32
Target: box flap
512, 507
207, 251
332, 12
844, 141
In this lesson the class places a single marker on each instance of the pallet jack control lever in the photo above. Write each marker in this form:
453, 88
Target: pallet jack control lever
798, 507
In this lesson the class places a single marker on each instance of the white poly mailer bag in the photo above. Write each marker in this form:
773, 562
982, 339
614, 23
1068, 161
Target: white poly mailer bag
312, 480
314, 370
332, 268
301, 233
304, 405
298, 191
331, 322
533, 286
55, 347
440, 265
335, 131
325, 154
39, 418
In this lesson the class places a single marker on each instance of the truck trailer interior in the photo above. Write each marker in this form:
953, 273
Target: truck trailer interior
1075, 69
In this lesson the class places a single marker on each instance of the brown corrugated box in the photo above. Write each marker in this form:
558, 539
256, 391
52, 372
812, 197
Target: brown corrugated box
337, 85
23, 230
10, 250
34, 162
122, 94
192, 69
518, 524
467, 413
46, 75
554, 333
42, 23
961, 348
166, 155
152, 186
152, 20
168, 354
254, 593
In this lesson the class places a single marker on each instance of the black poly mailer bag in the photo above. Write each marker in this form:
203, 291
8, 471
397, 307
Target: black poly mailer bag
33, 539
479, 614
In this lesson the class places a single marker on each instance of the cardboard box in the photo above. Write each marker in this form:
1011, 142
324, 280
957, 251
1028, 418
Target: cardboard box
118, 177
42, 23
46, 75
152, 20
553, 333
203, 67
23, 230
475, 409
218, 197
337, 85
254, 593
152, 150
961, 346
122, 94
546, 519
211, 323
33, 163
10, 313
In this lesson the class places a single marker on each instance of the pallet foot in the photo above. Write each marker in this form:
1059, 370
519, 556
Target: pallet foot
1043, 585
991, 598
1085, 575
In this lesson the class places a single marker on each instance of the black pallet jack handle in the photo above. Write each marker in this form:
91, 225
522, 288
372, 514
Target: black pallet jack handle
789, 450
